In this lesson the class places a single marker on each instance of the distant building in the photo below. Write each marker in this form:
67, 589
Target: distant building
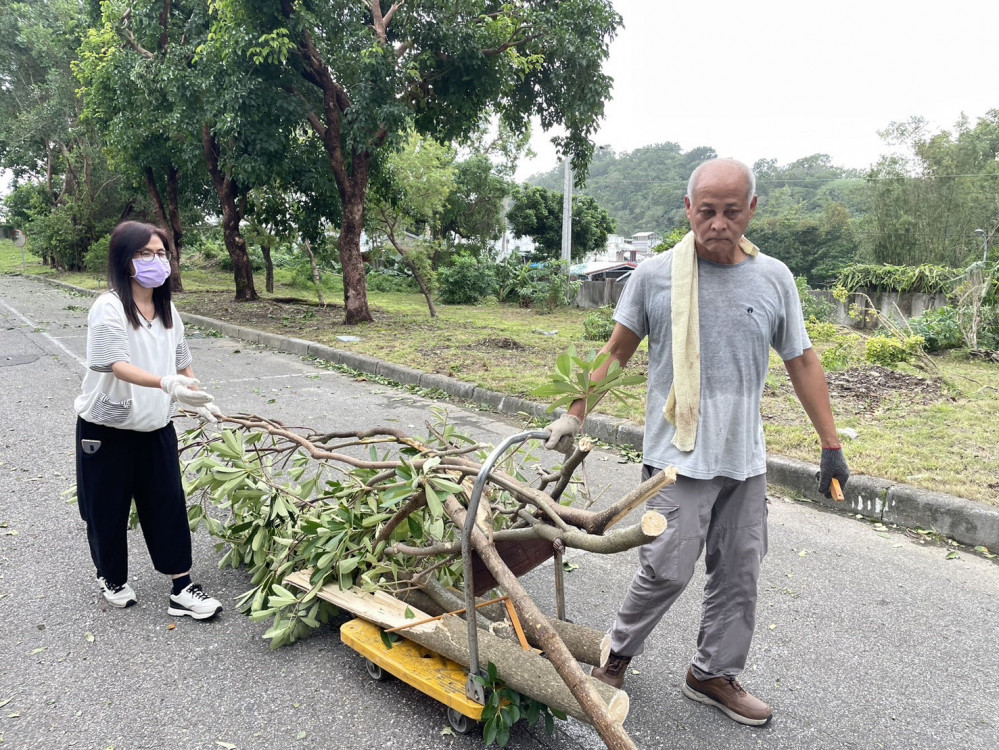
601, 270
509, 244
645, 241
639, 246
612, 252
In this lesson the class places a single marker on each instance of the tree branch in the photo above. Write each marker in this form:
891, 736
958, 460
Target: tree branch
130, 38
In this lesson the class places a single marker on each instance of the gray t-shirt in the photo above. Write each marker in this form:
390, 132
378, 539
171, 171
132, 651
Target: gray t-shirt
744, 310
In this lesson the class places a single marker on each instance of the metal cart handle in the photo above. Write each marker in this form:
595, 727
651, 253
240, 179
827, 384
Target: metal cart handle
473, 690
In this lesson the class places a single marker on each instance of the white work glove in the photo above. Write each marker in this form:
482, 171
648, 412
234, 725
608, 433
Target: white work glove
208, 413
563, 433
180, 389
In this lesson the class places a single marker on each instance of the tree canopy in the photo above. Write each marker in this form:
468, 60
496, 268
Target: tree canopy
537, 213
927, 202
282, 115
365, 74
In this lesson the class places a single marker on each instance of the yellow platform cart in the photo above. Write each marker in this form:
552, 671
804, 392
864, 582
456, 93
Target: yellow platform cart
428, 672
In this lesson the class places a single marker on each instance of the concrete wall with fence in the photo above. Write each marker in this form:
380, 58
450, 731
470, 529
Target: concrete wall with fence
869, 304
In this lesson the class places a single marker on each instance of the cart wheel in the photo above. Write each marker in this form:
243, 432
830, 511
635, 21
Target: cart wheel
459, 722
375, 672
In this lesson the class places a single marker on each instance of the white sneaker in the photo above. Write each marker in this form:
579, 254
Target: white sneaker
194, 602
117, 596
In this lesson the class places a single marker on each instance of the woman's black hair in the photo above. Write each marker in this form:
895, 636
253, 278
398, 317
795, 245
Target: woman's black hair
127, 239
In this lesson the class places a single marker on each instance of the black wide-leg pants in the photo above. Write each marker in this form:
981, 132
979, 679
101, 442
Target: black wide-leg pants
113, 467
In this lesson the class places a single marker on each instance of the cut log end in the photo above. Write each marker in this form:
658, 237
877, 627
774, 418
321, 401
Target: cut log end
653, 523
619, 706
605, 649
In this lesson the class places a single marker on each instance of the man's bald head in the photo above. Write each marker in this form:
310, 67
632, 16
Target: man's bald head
713, 165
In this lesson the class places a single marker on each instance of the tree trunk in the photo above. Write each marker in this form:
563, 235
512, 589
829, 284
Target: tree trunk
351, 181
174, 227
585, 644
49, 169
265, 250
228, 193
315, 274
355, 285
424, 287
161, 217
527, 672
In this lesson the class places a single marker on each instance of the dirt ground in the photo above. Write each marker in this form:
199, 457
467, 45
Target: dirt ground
867, 389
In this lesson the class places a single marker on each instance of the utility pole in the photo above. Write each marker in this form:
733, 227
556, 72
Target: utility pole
567, 215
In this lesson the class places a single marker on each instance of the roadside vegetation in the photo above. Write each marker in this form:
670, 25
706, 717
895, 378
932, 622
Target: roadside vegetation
922, 417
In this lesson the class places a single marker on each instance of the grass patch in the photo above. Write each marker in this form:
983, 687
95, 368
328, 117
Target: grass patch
913, 428
11, 260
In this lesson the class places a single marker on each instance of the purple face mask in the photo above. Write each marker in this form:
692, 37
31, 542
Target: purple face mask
151, 273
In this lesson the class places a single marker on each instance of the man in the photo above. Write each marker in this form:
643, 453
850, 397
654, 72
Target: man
712, 307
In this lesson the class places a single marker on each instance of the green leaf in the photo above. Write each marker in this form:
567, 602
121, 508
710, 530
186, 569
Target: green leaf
347, 565
434, 504
563, 364
502, 735
489, 730
445, 485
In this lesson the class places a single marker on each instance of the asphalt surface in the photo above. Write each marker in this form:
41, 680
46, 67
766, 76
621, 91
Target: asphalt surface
865, 637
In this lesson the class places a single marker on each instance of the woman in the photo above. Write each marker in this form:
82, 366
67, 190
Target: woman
126, 446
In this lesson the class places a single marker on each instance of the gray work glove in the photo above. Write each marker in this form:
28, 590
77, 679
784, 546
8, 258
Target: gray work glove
181, 389
833, 464
208, 413
563, 433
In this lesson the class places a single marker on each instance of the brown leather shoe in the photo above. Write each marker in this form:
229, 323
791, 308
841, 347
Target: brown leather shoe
728, 695
613, 671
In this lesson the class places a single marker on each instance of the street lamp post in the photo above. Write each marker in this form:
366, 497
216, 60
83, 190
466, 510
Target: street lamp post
985, 240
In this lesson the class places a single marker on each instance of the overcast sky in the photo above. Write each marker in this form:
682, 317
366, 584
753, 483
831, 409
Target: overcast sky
783, 79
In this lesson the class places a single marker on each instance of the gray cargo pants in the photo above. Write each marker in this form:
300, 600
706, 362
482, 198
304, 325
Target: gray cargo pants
728, 519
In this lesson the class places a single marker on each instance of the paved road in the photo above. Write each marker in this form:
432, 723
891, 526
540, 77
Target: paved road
866, 639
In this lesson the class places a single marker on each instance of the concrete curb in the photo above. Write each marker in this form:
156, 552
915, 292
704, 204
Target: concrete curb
965, 521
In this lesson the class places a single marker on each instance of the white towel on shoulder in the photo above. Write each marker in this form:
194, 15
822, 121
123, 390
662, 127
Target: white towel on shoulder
683, 406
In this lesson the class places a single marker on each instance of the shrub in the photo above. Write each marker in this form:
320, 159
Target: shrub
390, 280
57, 235
939, 328
466, 281
512, 275
845, 350
819, 331
988, 333
599, 326
928, 279
549, 288
889, 351
97, 255
206, 249
812, 306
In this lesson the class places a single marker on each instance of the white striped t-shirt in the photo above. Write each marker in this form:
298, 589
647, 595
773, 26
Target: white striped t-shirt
111, 338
